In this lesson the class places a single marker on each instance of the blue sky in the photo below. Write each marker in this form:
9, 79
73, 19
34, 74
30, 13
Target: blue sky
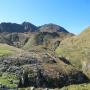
74, 15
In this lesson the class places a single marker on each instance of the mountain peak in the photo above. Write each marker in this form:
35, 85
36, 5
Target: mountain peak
14, 27
29, 27
52, 28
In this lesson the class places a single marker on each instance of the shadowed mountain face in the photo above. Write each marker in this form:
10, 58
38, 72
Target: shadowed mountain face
13, 27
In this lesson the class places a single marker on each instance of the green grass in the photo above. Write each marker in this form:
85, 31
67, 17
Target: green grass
7, 80
6, 50
77, 87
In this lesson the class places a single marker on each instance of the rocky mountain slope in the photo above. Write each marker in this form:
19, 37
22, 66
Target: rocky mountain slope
19, 34
37, 69
34, 56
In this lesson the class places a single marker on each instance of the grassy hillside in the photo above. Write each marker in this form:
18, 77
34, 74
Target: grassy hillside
6, 50
77, 50
7, 80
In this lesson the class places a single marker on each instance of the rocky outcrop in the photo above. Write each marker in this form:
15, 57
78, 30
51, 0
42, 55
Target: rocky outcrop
44, 71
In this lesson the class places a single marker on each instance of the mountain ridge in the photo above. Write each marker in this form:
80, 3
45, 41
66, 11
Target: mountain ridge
29, 27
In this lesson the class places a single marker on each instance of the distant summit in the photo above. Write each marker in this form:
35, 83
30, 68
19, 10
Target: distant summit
52, 28
29, 27
14, 27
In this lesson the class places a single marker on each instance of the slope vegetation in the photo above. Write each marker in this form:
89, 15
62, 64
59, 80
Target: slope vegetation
6, 50
77, 50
